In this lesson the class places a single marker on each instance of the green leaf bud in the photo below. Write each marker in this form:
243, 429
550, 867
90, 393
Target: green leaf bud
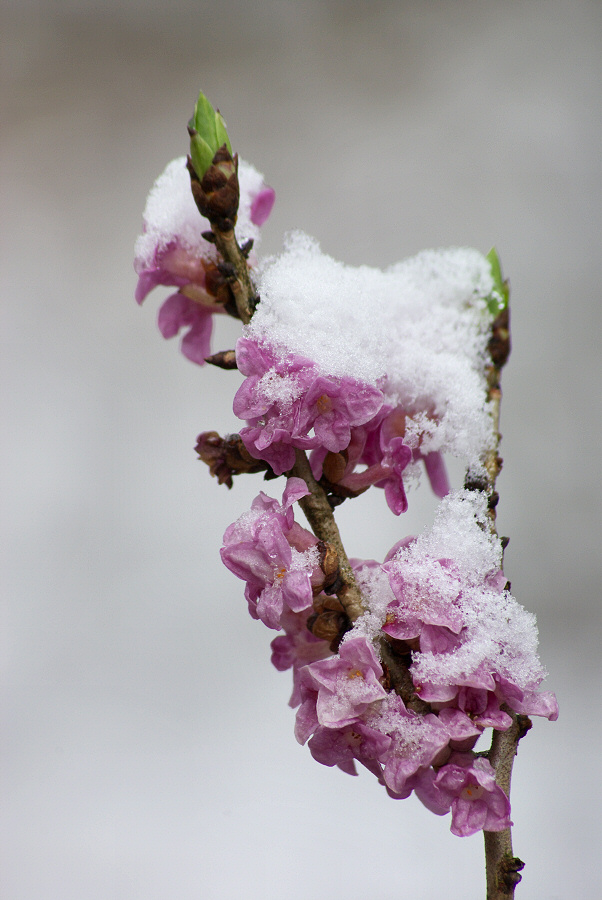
208, 133
497, 301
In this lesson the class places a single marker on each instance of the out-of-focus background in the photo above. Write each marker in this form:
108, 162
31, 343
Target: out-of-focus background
147, 747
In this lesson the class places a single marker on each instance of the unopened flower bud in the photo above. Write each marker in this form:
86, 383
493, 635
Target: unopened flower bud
329, 564
226, 456
334, 466
225, 359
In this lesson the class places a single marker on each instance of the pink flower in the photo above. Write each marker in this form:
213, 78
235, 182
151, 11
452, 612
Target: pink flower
270, 400
296, 648
429, 600
332, 406
260, 548
343, 687
284, 399
379, 445
341, 746
171, 251
417, 741
468, 784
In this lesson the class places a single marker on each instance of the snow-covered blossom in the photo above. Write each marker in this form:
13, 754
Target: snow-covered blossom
443, 597
417, 331
172, 251
285, 399
376, 375
476, 646
416, 742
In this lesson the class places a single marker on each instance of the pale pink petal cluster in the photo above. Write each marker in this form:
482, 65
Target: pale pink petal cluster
275, 556
347, 712
289, 405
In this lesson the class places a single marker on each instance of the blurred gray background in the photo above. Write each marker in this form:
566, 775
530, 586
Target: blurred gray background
148, 750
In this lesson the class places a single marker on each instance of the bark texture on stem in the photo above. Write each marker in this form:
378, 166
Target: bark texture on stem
245, 295
502, 867
319, 514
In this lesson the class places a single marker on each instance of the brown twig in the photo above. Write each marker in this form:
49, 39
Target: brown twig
217, 197
245, 295
502, 867
318, 512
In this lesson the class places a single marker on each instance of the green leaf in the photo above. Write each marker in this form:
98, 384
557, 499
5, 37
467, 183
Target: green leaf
204, 120
201, 154
498, 299
220, 131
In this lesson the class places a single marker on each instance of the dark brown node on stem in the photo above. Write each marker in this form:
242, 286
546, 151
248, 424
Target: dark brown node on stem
494, 499
337, 494
227, 270
247, 247
476, 483
509, 873
524, 724
226, 456
499, 343
217, 285
208, 236
225, 359
397, 675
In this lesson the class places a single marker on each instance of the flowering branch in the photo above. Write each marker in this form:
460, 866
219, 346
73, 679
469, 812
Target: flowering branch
399, 666
502, 867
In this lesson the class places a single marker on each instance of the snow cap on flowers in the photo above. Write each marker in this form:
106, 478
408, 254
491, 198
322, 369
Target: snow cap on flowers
417, 331
449, 593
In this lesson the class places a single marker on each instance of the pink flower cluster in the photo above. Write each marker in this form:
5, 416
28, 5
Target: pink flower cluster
274, 555
438, 607
347, 711
345, 423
